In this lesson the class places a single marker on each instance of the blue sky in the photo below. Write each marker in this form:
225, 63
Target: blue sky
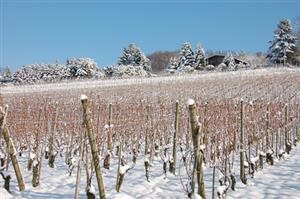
43, 31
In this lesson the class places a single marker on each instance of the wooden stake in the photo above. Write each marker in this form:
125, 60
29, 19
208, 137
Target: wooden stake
119, 175
174, 136
94, 148
242, 152
286, 137
11, 148
268, 125
109, 136
79, 166
196, 129
51, 141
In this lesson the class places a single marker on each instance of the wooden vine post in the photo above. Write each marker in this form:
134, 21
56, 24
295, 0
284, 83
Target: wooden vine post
120, 176
270, 151
204, 124
37, 160
147, 130
95, 154
106, 163
196, 129
51, 140
174, 136
109, 136
286, 137
11, 148
81, 149
268, 125
297, 133
242, 150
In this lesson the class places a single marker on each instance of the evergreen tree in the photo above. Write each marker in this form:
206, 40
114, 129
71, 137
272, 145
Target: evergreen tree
187, 58
133, 56
229, 61
296, 55
173, 63
200, 58
5, 72
283, 44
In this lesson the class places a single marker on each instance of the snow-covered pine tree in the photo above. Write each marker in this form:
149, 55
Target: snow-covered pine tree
283, 44
230, 62
187, 57
5, 72
200, 58
133, 56
296, 55
173, 64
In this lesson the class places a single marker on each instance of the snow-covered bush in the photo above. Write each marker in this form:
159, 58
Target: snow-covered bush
75, 68
34, 73
83, 67
125, 71
186, 69
241, 66
221, 67
210, 67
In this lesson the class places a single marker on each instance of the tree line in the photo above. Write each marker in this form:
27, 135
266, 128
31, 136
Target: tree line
283, 50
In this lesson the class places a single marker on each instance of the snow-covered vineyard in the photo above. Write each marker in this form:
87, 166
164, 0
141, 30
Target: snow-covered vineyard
214, 135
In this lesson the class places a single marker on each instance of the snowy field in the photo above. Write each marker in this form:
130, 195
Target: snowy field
278, 181
90, 84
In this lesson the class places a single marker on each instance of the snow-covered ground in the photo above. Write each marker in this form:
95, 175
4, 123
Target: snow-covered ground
56, 183
278, 181
90, 84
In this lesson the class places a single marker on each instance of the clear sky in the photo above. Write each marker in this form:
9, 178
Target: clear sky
43, 31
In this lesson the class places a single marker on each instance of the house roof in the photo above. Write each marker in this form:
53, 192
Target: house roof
223, 56
217, 55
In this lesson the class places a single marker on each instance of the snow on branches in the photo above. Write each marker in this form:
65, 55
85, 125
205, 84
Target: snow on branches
133, 56
188, 61
133, 62
74, 68
83, 67
35, 73
124, 71
283, 43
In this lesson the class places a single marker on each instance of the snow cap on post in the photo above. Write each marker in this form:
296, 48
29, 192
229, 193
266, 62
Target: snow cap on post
83, 97
190, 102
197, 196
